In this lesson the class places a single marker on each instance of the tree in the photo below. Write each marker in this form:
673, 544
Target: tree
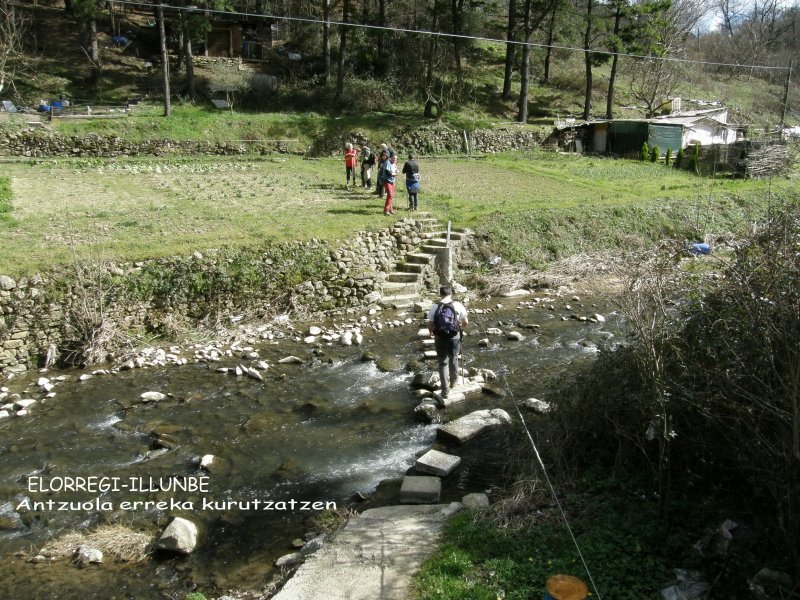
457, 17
587, 60
86, 12
326, 39
342, 52
522, 113
511, 48
12, 47
551, 38
652, 80
530, 23
431, 62
162, 36
637, 29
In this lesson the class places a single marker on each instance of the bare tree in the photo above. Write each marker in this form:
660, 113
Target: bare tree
652, 80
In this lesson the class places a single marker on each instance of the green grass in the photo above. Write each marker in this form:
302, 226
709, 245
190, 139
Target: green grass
534, 207
5, 201
630, 551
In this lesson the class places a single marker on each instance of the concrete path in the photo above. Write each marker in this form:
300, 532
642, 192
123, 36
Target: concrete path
373, 557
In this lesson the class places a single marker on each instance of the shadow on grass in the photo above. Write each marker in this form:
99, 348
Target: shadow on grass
366, 210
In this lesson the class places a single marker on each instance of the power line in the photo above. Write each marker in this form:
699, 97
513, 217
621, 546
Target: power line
443, 34
552, 489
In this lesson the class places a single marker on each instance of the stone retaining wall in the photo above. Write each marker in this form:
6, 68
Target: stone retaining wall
41, 316
41, 143
433, 139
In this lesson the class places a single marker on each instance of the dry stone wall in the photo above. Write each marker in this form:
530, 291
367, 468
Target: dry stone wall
40, 316
433, 139
42, 143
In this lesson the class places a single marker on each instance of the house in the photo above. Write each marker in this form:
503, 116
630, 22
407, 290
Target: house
239, 39
625, 137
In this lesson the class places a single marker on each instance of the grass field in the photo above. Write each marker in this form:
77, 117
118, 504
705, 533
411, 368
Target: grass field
536, 206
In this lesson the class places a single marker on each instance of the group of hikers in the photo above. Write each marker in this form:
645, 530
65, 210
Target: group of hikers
384, 163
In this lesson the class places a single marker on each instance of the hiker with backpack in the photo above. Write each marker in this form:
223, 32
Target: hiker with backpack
367, 162
446, 321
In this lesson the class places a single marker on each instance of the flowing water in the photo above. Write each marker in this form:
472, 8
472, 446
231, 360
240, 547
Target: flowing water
317, 432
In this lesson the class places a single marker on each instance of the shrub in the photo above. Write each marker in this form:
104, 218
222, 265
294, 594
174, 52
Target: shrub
654, 154
694, 159
679, 158
668, 157
645, 152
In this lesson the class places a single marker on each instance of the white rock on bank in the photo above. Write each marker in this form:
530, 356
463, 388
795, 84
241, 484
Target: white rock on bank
537, 406
179, 536
87, 554
152, 396
291, 360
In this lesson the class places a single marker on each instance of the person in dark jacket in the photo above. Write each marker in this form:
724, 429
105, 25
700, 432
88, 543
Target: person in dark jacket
411, 171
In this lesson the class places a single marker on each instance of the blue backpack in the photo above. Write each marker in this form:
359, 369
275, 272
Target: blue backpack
445, 320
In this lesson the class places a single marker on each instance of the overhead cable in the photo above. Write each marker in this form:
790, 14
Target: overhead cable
249, 15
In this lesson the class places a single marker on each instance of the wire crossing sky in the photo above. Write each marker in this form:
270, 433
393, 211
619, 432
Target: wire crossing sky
250, 15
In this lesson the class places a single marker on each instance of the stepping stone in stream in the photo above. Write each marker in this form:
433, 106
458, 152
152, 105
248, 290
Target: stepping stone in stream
420, 490
453, 397
472, 424
437, 463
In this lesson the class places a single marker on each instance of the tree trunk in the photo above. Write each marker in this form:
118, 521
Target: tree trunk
522, 114
613, 76
164, 58
457, 8
342, 52
587, 57
430, 103
187, 52
326, 40
94, 51
381, 34
179, 64
551, 36
511, 49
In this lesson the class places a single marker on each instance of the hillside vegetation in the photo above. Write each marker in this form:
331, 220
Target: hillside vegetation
414, 75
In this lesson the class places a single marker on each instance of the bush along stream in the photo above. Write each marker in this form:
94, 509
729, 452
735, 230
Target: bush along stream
258, 441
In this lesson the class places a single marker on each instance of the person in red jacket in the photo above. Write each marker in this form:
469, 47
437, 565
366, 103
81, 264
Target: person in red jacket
350, 162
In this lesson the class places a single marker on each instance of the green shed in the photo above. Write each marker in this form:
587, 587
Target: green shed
625, 138
666, 135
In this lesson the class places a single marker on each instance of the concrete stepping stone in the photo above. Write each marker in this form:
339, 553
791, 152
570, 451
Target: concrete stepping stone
470, 425
453, 397
418, 489
437, 463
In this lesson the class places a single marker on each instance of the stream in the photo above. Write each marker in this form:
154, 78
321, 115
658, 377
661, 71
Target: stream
310, 435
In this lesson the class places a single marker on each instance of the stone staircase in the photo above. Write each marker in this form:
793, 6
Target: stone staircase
403, 285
